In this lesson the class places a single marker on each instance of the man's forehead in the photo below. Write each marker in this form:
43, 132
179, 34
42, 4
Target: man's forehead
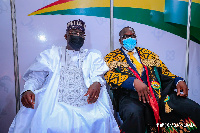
76, 30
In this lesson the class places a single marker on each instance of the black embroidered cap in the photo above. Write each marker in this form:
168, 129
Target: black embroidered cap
76, 24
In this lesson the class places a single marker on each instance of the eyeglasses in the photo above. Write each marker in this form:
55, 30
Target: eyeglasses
77, 33
127, 36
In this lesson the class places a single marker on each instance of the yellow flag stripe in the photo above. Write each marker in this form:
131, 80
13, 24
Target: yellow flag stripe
157, 5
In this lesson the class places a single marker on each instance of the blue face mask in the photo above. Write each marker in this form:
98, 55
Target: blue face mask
129, 43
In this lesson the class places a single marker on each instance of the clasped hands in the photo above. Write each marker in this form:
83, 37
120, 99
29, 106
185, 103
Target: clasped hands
143, 90
28, 97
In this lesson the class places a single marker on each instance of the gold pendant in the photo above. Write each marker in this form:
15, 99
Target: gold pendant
167, 108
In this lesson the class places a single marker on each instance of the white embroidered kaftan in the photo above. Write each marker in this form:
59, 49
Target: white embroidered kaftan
52, 114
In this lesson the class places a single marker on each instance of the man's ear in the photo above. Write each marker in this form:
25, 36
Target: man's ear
120, 41
65, 36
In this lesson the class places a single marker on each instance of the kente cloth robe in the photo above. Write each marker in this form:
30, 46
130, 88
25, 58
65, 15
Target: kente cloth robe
173, 109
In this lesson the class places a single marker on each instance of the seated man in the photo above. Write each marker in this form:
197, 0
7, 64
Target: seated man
64, 91
143, 90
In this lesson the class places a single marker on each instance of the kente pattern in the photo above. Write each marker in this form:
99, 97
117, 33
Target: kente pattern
112, 76
149, 58
117, 63
184, 126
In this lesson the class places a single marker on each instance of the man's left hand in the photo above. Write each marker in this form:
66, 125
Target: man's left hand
182, 86
93, 92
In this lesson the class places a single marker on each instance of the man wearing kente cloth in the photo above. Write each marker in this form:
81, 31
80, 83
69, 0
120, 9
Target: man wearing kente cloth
143, 90
65, 92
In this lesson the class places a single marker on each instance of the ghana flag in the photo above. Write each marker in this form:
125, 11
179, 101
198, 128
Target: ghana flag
99, 8
168, 15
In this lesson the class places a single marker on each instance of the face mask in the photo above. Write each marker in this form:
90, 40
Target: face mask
129, 43
76, 42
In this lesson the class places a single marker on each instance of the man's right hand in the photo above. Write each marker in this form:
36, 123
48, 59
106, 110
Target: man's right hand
142, 90
28, 99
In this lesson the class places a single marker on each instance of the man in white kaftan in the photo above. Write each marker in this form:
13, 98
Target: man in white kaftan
62, 92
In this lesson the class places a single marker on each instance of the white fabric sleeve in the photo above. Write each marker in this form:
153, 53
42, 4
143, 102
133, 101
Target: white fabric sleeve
35, 81
36, 74
98, 68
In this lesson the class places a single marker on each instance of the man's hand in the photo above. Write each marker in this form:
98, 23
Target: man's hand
181, 86
142, 90
93, 92
28, 99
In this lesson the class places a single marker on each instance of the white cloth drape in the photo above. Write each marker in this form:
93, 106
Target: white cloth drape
51, 116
